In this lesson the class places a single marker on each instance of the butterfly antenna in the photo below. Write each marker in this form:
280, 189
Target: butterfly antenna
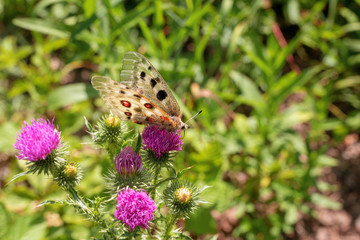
194, 116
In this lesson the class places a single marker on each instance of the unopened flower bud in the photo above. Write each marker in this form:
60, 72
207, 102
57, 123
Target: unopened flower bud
68, 175
71, 170
183, 194
112, 121
181, 198
127, 162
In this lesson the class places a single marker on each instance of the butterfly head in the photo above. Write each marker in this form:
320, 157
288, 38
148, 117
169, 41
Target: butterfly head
184, 126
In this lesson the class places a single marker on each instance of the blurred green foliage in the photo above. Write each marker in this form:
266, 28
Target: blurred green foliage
267, 120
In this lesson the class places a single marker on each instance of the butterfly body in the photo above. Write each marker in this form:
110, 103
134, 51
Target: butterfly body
142, 96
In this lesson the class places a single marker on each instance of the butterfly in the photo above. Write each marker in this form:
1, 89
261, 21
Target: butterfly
142, 96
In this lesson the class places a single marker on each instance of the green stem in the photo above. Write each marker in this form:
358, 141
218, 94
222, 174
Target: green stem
169, 227
153, 193
89, 212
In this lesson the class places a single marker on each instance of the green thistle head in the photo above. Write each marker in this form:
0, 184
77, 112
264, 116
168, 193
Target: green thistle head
181, 198
68, 175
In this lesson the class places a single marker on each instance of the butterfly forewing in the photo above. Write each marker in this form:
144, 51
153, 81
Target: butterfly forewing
139, 74
128, 104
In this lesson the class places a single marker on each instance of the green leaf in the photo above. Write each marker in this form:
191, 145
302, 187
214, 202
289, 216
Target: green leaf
201, 222
70, 94
8, 131
88, 125
327, 161
18, 176
290, 81
180, 173
49, 202
43, 26
30, 227
251, 94
291, 214
351, 81
138, 144
4, 220
324, 201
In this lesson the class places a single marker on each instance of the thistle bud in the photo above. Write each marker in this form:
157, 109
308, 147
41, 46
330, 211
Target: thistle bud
183, 194
127, 162
108, 133
112, 121
67, 175
181, 198
129, 172
71, 170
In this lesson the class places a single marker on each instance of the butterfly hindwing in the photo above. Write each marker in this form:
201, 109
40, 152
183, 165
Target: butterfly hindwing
139, 74
129, 104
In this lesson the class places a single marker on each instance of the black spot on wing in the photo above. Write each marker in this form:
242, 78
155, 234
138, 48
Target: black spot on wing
161, 95
149, 68
142, 74
136, 96
153, 83
122, 92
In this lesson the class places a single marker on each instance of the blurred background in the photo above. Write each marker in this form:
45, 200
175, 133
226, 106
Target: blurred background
278, 83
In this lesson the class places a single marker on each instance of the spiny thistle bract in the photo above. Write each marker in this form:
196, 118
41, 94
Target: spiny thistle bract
128, 162
67, 175
181, 198
108, 133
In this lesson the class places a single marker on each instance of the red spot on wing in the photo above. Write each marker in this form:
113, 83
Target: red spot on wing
125, 103
164, 118
148, 105
128, 113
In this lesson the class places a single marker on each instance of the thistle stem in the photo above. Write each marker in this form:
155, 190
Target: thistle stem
90, 212
169, 227
153, 193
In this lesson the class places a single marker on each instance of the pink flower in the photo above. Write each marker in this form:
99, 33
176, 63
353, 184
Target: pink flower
127, 162
161, 141
37, 140
134, 208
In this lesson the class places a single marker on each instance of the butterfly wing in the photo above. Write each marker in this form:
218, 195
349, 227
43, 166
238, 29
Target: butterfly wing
139, 74
128, 104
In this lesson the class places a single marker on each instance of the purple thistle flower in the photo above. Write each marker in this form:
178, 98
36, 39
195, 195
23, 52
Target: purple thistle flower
127, 162
134, 208
37, 140
161, 141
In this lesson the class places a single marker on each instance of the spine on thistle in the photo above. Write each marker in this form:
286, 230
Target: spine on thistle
68, 175
108, 133
181, 198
